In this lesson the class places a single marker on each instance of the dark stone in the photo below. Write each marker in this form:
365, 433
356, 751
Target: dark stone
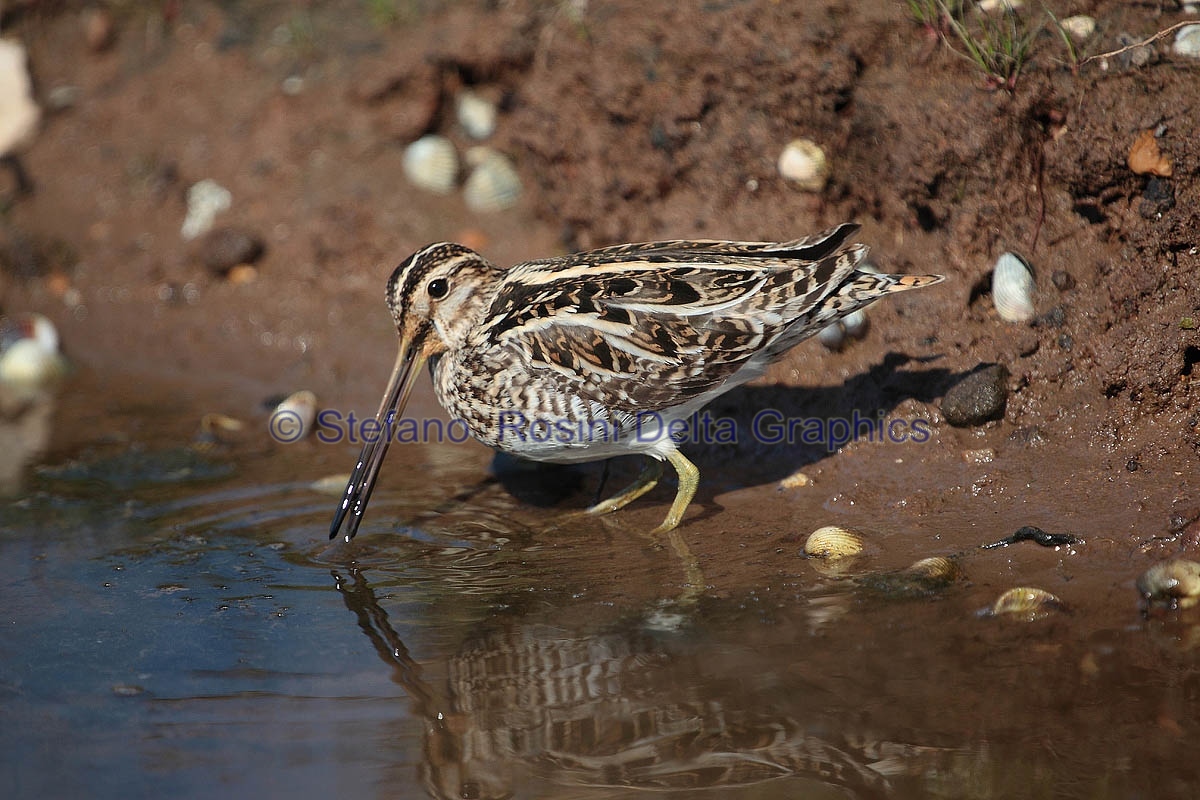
222, 249
1157, 198
977, 398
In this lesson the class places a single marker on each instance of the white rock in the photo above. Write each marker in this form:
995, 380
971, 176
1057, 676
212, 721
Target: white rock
1187, 41
292, 85
832, 335
855, 323
292, 420
803, 163
1080, 26
988, 6
29, 356
476, 115
19, 114
205, 200
62, 97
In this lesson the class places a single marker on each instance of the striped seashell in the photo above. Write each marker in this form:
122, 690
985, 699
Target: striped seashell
493, 184
1012, 289
431, 163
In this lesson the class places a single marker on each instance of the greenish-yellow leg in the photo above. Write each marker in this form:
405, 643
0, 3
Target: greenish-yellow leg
689, 479
646, 480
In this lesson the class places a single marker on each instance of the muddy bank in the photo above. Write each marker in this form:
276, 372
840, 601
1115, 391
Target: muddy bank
626, 127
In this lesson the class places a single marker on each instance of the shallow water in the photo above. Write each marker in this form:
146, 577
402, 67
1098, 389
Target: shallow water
176, 623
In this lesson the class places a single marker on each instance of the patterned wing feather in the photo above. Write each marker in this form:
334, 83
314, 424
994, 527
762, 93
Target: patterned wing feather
649, 326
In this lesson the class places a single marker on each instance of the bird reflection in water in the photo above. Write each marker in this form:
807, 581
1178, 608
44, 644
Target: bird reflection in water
529, 704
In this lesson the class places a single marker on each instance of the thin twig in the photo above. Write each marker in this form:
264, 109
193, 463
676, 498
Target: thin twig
1129, 47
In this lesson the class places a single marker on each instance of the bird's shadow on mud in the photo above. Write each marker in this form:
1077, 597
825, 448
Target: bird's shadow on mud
756, 435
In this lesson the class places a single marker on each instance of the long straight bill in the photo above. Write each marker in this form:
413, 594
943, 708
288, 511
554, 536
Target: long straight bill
362, 480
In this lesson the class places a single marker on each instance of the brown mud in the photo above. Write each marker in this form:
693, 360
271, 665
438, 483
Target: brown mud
629, 126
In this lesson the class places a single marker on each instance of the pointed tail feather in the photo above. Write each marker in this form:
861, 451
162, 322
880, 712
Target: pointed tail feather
858, 290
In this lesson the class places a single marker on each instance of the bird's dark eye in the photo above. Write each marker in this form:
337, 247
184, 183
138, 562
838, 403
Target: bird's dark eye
438, 288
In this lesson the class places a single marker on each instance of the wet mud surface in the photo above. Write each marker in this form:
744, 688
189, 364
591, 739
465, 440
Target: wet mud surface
475, 639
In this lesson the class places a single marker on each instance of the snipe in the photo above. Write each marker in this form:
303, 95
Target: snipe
560, 359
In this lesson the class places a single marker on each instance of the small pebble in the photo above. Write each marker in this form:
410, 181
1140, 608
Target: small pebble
223, 249
205, 200
1187, 41
292, 85
19, 113
242, 274
29, 355
796, 480
832, 336
99, 30
216, 424
62, 97
1145, 157
977, 398
1157, 198
988, 6
855, 324
331, 484
292, 420
476, 115
803, 163
1080, 26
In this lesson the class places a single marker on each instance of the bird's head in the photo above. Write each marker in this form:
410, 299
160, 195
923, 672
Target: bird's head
437, 296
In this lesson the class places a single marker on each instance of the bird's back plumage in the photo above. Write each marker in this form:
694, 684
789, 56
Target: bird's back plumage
650, 326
